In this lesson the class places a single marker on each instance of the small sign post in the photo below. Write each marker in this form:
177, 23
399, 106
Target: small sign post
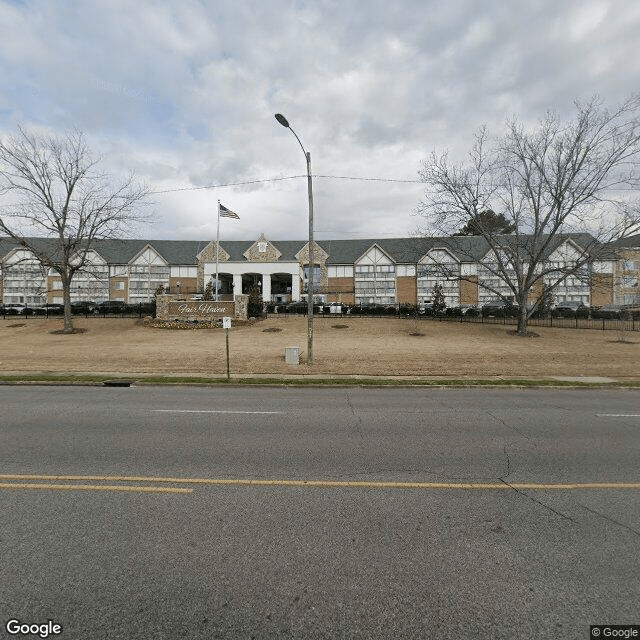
226, 325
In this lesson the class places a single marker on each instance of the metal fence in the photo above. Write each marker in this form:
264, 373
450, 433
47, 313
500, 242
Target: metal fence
130, 311
142, 310
602, 324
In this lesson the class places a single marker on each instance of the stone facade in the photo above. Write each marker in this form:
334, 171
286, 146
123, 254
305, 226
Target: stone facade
262, 251
320, 257
208, 254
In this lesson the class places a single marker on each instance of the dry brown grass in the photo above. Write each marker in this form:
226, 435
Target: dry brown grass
366, 347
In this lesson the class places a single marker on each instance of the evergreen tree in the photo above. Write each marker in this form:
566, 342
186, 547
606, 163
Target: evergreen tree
438, 305
255, 307
487, 221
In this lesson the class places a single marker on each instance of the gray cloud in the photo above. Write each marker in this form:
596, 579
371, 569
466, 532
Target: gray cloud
184, 93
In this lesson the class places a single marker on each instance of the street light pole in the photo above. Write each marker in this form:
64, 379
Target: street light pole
283, 121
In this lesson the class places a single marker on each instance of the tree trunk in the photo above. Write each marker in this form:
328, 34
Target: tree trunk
66, 299
522, 320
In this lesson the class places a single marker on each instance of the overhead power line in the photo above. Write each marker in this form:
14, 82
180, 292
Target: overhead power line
265, 180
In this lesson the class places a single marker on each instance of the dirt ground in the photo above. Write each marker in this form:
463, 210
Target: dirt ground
365, 347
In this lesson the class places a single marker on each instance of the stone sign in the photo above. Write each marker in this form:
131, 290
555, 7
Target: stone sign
173, 307
201, 309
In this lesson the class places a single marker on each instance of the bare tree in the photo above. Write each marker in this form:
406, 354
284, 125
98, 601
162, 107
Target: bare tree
551, 182
59, 203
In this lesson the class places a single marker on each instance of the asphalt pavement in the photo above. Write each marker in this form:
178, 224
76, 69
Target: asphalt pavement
168, 512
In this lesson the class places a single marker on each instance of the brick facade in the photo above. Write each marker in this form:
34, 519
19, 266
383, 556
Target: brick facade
601, 289
187, 285
469, 290
407, 291
341, 290
117, 293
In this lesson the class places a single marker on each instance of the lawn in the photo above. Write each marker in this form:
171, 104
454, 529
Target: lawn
342, 346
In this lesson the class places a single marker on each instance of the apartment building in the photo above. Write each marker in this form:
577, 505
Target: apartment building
362, 271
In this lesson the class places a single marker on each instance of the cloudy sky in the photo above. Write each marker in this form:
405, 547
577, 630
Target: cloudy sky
184, 94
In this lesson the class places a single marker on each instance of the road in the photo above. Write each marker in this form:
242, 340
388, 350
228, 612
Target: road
248, 512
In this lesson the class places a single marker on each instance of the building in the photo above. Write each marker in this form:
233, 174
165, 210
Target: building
627, 271
365, 271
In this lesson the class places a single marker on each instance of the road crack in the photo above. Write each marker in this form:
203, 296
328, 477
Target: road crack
358, 419
542, 504
605, 517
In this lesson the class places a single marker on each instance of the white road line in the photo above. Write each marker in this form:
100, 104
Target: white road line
211, 411
618, 415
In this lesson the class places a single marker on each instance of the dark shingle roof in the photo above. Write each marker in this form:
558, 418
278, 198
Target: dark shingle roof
400, 250
631, 242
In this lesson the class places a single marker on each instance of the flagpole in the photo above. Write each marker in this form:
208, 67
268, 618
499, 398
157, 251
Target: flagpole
217, 251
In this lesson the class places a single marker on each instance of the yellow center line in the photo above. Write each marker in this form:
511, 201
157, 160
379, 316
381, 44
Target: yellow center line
533, 486
89, 487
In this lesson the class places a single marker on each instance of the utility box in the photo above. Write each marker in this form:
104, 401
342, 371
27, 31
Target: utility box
292, 355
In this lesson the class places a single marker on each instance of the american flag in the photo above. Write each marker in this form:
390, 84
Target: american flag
227, 213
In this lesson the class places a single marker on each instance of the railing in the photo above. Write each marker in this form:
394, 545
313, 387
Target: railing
139, 310
602, 324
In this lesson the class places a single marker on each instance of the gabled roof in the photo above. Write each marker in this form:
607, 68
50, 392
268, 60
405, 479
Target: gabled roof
400, 250
630, 242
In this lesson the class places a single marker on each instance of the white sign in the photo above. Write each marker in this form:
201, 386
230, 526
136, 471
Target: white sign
226, 322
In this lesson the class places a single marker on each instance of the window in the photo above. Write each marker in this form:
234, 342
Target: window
262, 247
340, 271
439, 267
375, 283
119, 286
317, 277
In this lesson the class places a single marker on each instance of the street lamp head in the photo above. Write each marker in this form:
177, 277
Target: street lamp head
282, 120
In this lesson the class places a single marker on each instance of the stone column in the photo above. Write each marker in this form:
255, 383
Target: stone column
295, 287
266, 287
237, 284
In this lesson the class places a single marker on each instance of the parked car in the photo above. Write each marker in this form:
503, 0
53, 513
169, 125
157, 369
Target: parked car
499, 308
82, 307
110, 306
13, 309
53, 309
617, 311
29, 310
608, 312
470, 310
570, 309
296, 307
144, 308
373, 310
336, 307
406, 309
